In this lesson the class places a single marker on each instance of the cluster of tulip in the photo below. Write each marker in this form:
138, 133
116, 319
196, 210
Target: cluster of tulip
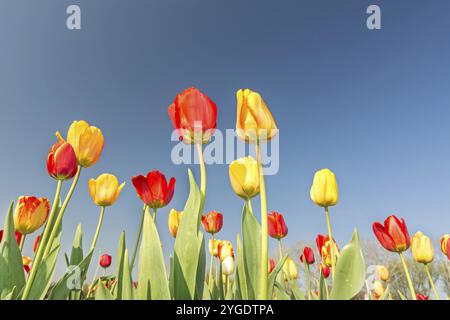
249, 274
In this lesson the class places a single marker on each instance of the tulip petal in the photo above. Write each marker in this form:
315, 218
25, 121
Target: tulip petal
383, 237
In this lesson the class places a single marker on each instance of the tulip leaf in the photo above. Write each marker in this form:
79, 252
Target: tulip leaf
296, 292
350, 271
153, 283
280, 292
241, 273
102, 293
76, 255
273, 276
44, 276
11, 266
323, 290
120, 265
127, 283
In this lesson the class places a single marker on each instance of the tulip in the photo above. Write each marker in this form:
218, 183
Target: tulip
26, 261
383, 273
225, 250
378, 290
212, 222
36, 244
30, 214
308, 256
244, 177
105, 189
194, 116
62, 161
213, 246
271, 265
325, 270
290, 270
445, 245
393, 235
324, 190
153, 189
422, 248
277, 227
174, 221
228, 266
87, 142
421, 297
254, 120
105, 260
327, 250
18, 236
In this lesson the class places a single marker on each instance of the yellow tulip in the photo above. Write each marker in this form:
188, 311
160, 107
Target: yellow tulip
87, 142
213, 246
290, 270
383, 273
228, 266
225, 250
422, 248
244, 177
324, 190
30, 214
254, 119
174, 221
378, 289
105, 189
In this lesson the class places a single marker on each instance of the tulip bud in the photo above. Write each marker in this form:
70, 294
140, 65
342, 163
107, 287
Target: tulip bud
225, 250
153, 189
62, 161
105, 189
36, 243
324, 246
105, 261
308, 254
26, 261
445, 245
422, 248
174, 221
325, 270
393, 235
212, 222
228, 266
276, 225
213, 246
378, 289
18, 236
271, 265
244, 177
383, 273
30, 214
324, 190
421, 297
254, 119
290, 270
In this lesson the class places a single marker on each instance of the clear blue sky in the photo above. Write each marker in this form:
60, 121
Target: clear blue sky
371, 105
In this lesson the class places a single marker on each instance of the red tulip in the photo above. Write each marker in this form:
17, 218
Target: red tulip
277, 227
153, 189
194, 116
325, 270
421, 297
36, 243
308, 254
105, 261
212, 222
16, 233
324, 247
445, 245
393, 235
271, 265
62, 161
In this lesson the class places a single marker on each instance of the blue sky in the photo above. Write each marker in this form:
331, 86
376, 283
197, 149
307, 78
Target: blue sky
373, 106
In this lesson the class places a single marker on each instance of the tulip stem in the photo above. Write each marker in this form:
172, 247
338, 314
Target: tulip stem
431, 282
202, 174
154, 215
93, 281
22, 241
330, 235
249, 205
99, 226
264, 228
210, 279
308, 275
408, 277
280, 249
42, 242
138, 239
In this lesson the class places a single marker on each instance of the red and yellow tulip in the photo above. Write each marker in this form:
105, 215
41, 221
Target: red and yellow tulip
30, 214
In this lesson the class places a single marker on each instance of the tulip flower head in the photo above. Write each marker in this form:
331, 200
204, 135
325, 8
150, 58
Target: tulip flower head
324, 190
174, 221
228, 266
290, 270
324, 246
308, 256
30, 214
26, 261
213, 247
271, 265
105, 189
212, 222
62, 161
105, 261
383, 273
393, 235
194, 116
422, 248
378, 290
225, 250
254, 120
325, 270
445, 245
421, 297
277, 227
153, 189
36, 243
244, 177
87, 142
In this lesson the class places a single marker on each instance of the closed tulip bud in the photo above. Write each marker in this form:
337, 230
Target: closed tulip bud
62, 161
228, 266
290, 270
324, 246
383, 273
422, 248
36, 244
26, 261
308, 256
421, 297
30, 214
325, 270
105, 189
393, 235
225, 250
244, 177
271, 265
153, 189
213, 247
212, 222
87, 142
276, 225
378, 289
445, 245
105, 261
324, 190
194, 116
174, 221
254, 119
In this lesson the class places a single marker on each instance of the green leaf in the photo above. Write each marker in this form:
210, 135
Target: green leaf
44, 276
102, 293
273, 276
296, 292
127, 283
11, 266
350, 271
241, 273
153, 283
323, 290
120, 265
76, 255
280, 292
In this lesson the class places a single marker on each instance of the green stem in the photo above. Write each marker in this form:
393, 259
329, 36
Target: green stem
217, 272
431, 282
249, 205
154, 215
93, 281
42, 242
264, 228
330, 235
22, 241
202, 174
408, 277
308, 284
280, 249
138, 239
210, 279
99, 226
